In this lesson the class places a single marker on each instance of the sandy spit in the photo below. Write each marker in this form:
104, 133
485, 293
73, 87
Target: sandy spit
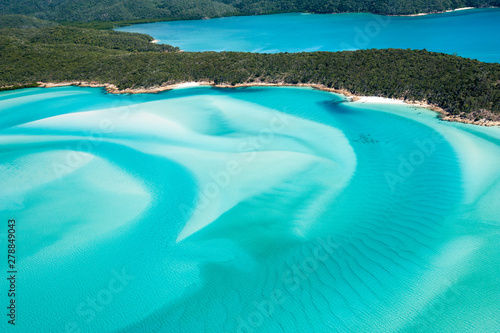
477, 118
446, 11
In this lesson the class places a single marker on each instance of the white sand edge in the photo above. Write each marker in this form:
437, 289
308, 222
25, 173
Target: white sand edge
446, 11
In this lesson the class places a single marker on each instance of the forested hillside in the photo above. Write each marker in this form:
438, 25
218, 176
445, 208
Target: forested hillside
107, 40
23, 22
119, 10
61, 54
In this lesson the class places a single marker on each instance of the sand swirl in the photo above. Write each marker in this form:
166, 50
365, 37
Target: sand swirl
255, 210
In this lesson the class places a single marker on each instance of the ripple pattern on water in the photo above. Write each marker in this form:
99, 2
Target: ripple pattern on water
251, 210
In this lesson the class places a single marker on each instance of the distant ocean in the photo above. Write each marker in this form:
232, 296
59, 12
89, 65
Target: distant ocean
473, 33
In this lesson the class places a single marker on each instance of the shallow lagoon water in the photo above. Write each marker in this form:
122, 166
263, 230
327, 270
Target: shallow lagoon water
468, 33
247, 210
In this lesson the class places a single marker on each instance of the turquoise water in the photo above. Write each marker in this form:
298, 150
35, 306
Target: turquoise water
247, 210
469, 33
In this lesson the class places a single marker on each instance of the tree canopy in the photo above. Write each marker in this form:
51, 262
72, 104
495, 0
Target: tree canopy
61, 54
119, 10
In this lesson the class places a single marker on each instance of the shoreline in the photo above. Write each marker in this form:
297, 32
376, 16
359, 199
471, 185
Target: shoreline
440, 12
471, 118
128, 23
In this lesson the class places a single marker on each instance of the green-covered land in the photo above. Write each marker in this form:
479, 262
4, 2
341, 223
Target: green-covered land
34, 49
62, 54
120, 10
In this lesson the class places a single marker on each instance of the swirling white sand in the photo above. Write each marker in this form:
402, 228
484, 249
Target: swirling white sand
211, 199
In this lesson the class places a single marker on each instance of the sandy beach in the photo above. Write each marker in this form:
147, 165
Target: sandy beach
446, 11
476, 118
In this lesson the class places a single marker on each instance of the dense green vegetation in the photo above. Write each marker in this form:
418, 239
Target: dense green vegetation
119, 10
23, 22
60, 54
110, 40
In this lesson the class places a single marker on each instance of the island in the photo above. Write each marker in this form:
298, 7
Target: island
37, 52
